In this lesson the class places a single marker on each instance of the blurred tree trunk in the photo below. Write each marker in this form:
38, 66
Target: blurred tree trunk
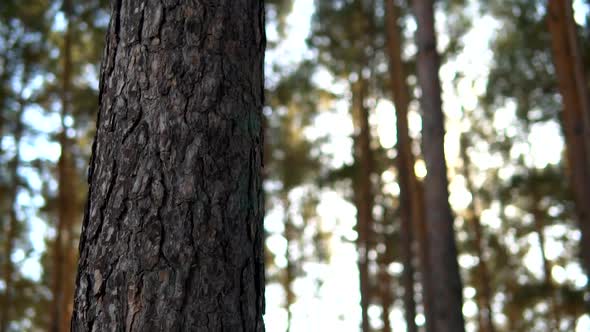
172, 232
385, 289
448, 289
384, 286
363, 191
10, 226
484, 293
539, 223
421, 231
63, 278
576, 112
405, 159
290, 269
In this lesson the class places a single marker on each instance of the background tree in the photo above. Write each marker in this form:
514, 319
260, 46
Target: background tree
345, 51
573, 88
447, 308
411, 213
21, 49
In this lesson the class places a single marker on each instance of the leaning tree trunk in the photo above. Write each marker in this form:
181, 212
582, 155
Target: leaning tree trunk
172, 232
448, 289
576, 113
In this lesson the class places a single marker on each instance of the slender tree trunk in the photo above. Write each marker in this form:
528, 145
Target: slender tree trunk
407, 178
172, 233
539, 221
426, 277
576, 113
8, 271
290, 270
10, 228
363, 193
384, 284
66, 209
484, 292
448, 289
385, 296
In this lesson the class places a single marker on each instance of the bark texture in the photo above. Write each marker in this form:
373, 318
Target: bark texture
405, 162
172, 233
576, 112
447, 291
363, 192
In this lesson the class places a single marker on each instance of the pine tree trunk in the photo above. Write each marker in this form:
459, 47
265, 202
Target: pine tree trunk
66, 203
420, 228
363, 193
8, 265
576, 112
484, 293
385, 295
172, 233
539, 223
385, 286
290, 269
407, 178
448, 289
10, 227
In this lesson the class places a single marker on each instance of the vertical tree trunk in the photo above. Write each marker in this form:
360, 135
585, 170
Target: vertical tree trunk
426, 276
484, 293
290, 269
405, 162
7, 270
384, 287
448, 289
66, 207
172, 233
385, 295
576, 112
363, 192
10, 227
539, 222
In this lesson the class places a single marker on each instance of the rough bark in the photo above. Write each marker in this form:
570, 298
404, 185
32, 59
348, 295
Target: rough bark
576, 113
484, 292
172, 232
405, 163
363, 192
448, 289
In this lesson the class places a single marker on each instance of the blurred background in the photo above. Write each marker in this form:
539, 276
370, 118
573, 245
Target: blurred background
516, 227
